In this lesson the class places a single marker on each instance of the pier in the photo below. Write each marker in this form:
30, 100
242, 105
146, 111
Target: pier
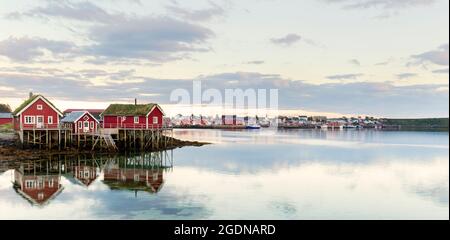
107, 139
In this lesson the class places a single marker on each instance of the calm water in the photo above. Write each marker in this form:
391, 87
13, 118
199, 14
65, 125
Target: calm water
262, 174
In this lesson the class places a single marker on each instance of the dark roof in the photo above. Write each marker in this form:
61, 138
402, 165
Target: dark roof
30, 100
6, 115
72, 117
129, 109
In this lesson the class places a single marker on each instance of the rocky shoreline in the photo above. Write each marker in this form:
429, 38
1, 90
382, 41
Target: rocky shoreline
10, 150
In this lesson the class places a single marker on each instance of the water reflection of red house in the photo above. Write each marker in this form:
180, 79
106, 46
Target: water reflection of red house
85, 174
150, 180
38, 189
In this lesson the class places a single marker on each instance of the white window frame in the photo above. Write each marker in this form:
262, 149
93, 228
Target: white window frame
136, 120
50, 120
155, 120
29, 119
91, 124
29, 184
39, 107
80, 125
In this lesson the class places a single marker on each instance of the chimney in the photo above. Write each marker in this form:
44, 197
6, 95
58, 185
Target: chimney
135, 101
31, 94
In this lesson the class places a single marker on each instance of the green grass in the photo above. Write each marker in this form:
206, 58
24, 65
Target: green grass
128, 109
6, 127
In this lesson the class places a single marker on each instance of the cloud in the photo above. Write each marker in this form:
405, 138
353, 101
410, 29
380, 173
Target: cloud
287, 40
438, 56
115, 38
157, 39
441, 71
256, 62
355, 62
81, 11
402, 76
197, 15
28, 49
345, 76
384, 4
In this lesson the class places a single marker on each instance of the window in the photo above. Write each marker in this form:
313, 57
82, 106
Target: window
50, 120
155, 120
50, 183
86, 124
136, 119
29, 184
92, 124
29, 119
39, 107
136, 177
41, 196
80, 125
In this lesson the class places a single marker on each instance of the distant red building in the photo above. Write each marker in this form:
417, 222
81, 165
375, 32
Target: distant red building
139, 116
229, 120
36, 113
6, 118
81, 122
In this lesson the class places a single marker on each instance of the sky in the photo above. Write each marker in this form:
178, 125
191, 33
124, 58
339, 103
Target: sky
385, 58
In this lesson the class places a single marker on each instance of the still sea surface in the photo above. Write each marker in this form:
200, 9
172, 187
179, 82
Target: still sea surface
249, 174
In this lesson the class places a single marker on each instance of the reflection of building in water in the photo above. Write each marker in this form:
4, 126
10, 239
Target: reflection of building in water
138, 173
85, 171
38, 182
85, 174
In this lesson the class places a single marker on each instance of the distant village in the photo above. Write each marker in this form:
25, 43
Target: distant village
283, 122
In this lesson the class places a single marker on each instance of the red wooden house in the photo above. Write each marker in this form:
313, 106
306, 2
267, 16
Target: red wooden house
36, 113
138, 116
80, 122
5, 118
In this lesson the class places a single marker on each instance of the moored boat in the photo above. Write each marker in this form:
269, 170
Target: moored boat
253, 126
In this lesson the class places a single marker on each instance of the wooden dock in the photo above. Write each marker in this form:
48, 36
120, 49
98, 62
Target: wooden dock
108, 139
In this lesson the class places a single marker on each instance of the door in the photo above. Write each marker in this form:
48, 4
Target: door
85, 126
39, 121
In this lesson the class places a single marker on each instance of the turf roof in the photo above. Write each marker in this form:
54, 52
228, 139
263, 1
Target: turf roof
128, 109
31, 99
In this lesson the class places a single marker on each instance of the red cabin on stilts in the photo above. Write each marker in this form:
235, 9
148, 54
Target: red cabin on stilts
137, 116
36, 113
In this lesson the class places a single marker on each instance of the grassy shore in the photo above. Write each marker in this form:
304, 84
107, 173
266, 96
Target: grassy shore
438, 124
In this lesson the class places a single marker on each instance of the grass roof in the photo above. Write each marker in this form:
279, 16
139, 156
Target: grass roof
31, 99
128, 109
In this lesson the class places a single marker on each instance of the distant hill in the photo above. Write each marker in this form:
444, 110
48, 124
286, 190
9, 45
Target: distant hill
5, 108
421, 123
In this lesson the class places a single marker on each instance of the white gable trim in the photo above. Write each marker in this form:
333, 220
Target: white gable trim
153, 108
85, 114
35, 100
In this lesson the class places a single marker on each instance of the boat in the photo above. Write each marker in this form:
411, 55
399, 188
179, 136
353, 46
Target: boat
253, 126
264, 123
